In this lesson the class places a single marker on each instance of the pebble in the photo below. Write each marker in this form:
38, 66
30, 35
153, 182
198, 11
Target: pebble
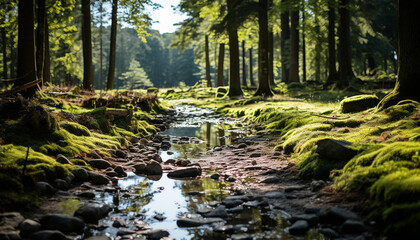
299, 227
219, 212
255, 155
353, 227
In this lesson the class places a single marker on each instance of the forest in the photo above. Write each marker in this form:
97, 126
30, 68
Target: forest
255, 119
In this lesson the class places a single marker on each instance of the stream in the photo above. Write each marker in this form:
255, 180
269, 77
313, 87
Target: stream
157, 203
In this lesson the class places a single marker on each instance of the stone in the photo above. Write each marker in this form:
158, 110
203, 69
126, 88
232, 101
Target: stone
104, 210
119, 223
48, 235
153, 168
215, 176
185, 172
120, 171
98, 178
353, 227
61, 184
232, 203
243, 198
299, 227
80, 174
140, 168
216, 149
335, 150
335, 215
89, 213
317, 185
182, 162
28, 226
124, 232
111, 174
159, 217
69, 178
88, 195
157, 158
62, 159
274, 195
120, 153
99, 164
254, 155
63, 223
328, 232
165, 145
271, 179
156, 234
242, 145
312, 219
219, 212
294, 188
236, 209
99, 238
358, 103
45, 189
10, 220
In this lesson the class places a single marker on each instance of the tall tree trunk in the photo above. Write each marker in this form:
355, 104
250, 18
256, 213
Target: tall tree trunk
332, 70
4, 43
285, 42
408, 83
263, 46
271, 59
26, 49
234, 80
294, 46
12, 56
244, 83
251, 66
40, 39
385, 63
220, 79
101, 49
111, 68
208, 79
303, 43
344, 46
47, 61
87, 46
371, 64
317, 30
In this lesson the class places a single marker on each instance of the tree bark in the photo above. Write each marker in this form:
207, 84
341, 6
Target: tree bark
303, 43
271, 59
12, 56
244, 83
285, 43
408, 83
344, 46
234, 81
40, 39
220, 80
47, 61
294, 46
4, 43
208, 78
263, 46
371, 64
332, 70
26, 49
87, 46
317, 30
101, 49
251, 66
111, 68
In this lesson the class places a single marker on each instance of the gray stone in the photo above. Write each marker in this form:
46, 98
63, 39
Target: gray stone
120, 153
312, 219
294, 188
157, 158
98, 178
124, 232
185, 172
61, 184
62, 159
89, 213
353, 227
69, 178
236, 209
335, 150
215, 176
232, 203
219, 212
99, 164
140, 168
299, 227
28, 226
328, 232
44, 188
254, 155
104, 210
271, 179
119, 223
99, 238
153, 168
335, 215
156, 234
242, 145
88, 195
120, 171
274, 195
159, 217
48, 235
63, 223
244, 198
80, 174
11, 219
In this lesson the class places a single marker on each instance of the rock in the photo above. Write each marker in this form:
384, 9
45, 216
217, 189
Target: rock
271, 179
317, 185
98, 178
89, 213
69, 178
219, 212
335, 150
48, 235
140, 168
156, 234
44, 188
190, 222
254, 155
299, 227
358, 103
312, 219
62, 159
111, 174
241, 237
99, 164
104, 210
99, 238
61, 184
28, 226
124, 232
215, 176
120, 171
242, 145
256, 204
328, 232
157, 158
119, 223
80, 174
185, 172
216, 149
88, 195
232, 203
236, 209
294, 188
153, 168
243, 198
353, 227
10, 220
182, 162
335, 215
63, 223
159, 217
165, 145
274, 195
120, 153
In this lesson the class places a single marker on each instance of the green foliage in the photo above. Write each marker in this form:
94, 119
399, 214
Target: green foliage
401, 110
135, 77
312, 166
75, 128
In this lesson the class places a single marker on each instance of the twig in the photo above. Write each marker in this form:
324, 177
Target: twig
328, 117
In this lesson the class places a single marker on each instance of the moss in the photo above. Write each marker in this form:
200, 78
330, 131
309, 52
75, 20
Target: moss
401, 110
358, 103
152, 90
312, 166
75, 128
350, 122
402, 220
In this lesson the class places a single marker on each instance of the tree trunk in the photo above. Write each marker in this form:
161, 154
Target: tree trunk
332, 70
4, 43
47, 61
87, 46
220, 65
408, 83
208, 79
385, 64
101, 49
251, 66
26, 47
294, 46
244, 83
271, 59
40, 39
371, 64
303, 43
317, 30
285, 43
234, 83
12, 57
344, 47
111, 68
263, 46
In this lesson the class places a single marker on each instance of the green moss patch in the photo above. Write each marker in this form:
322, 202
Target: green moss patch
358, 103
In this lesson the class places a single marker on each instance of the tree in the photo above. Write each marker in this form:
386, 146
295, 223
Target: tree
4, 40
294, 43
41, 36
344, 46
303, 43
208, 79
87, 46
136, 77
251, 66
220, 65
243, 65
332, 70
408, 83
285, 41
111, 68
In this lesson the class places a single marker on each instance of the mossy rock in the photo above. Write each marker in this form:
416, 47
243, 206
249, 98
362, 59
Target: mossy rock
152, 90
358, 103
401, 110
313, 166
75, 128
296, 86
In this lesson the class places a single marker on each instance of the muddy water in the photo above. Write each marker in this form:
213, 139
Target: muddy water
140, 200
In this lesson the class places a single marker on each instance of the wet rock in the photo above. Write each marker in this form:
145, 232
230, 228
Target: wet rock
335, 150
165, 145
153, 168
159, 217
89, 213
271, 179
28, 226
182, 162
99, 238
242, 145
335, 215
204, 210
119, 223
215, 176
217, 149
80, 174
69, 178
219, 212
10, 220
230, 179
185, 172
237, 209
195, 222
61, 184
99, 164
111, 174
328, 232
157, 158
62, 159
48, 235
243, 198
98, 178
63, 223
353, 227
241, 237
104, 210
88, 195
156, 234
254, 155
120, 171
317, 185
140, 168
294, 188
45, 189
232, 203
124, 232
312, 219
120, 153
299, 227
274, 195
256, 204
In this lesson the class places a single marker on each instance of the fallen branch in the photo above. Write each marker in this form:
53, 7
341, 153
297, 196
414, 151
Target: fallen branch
328, 117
